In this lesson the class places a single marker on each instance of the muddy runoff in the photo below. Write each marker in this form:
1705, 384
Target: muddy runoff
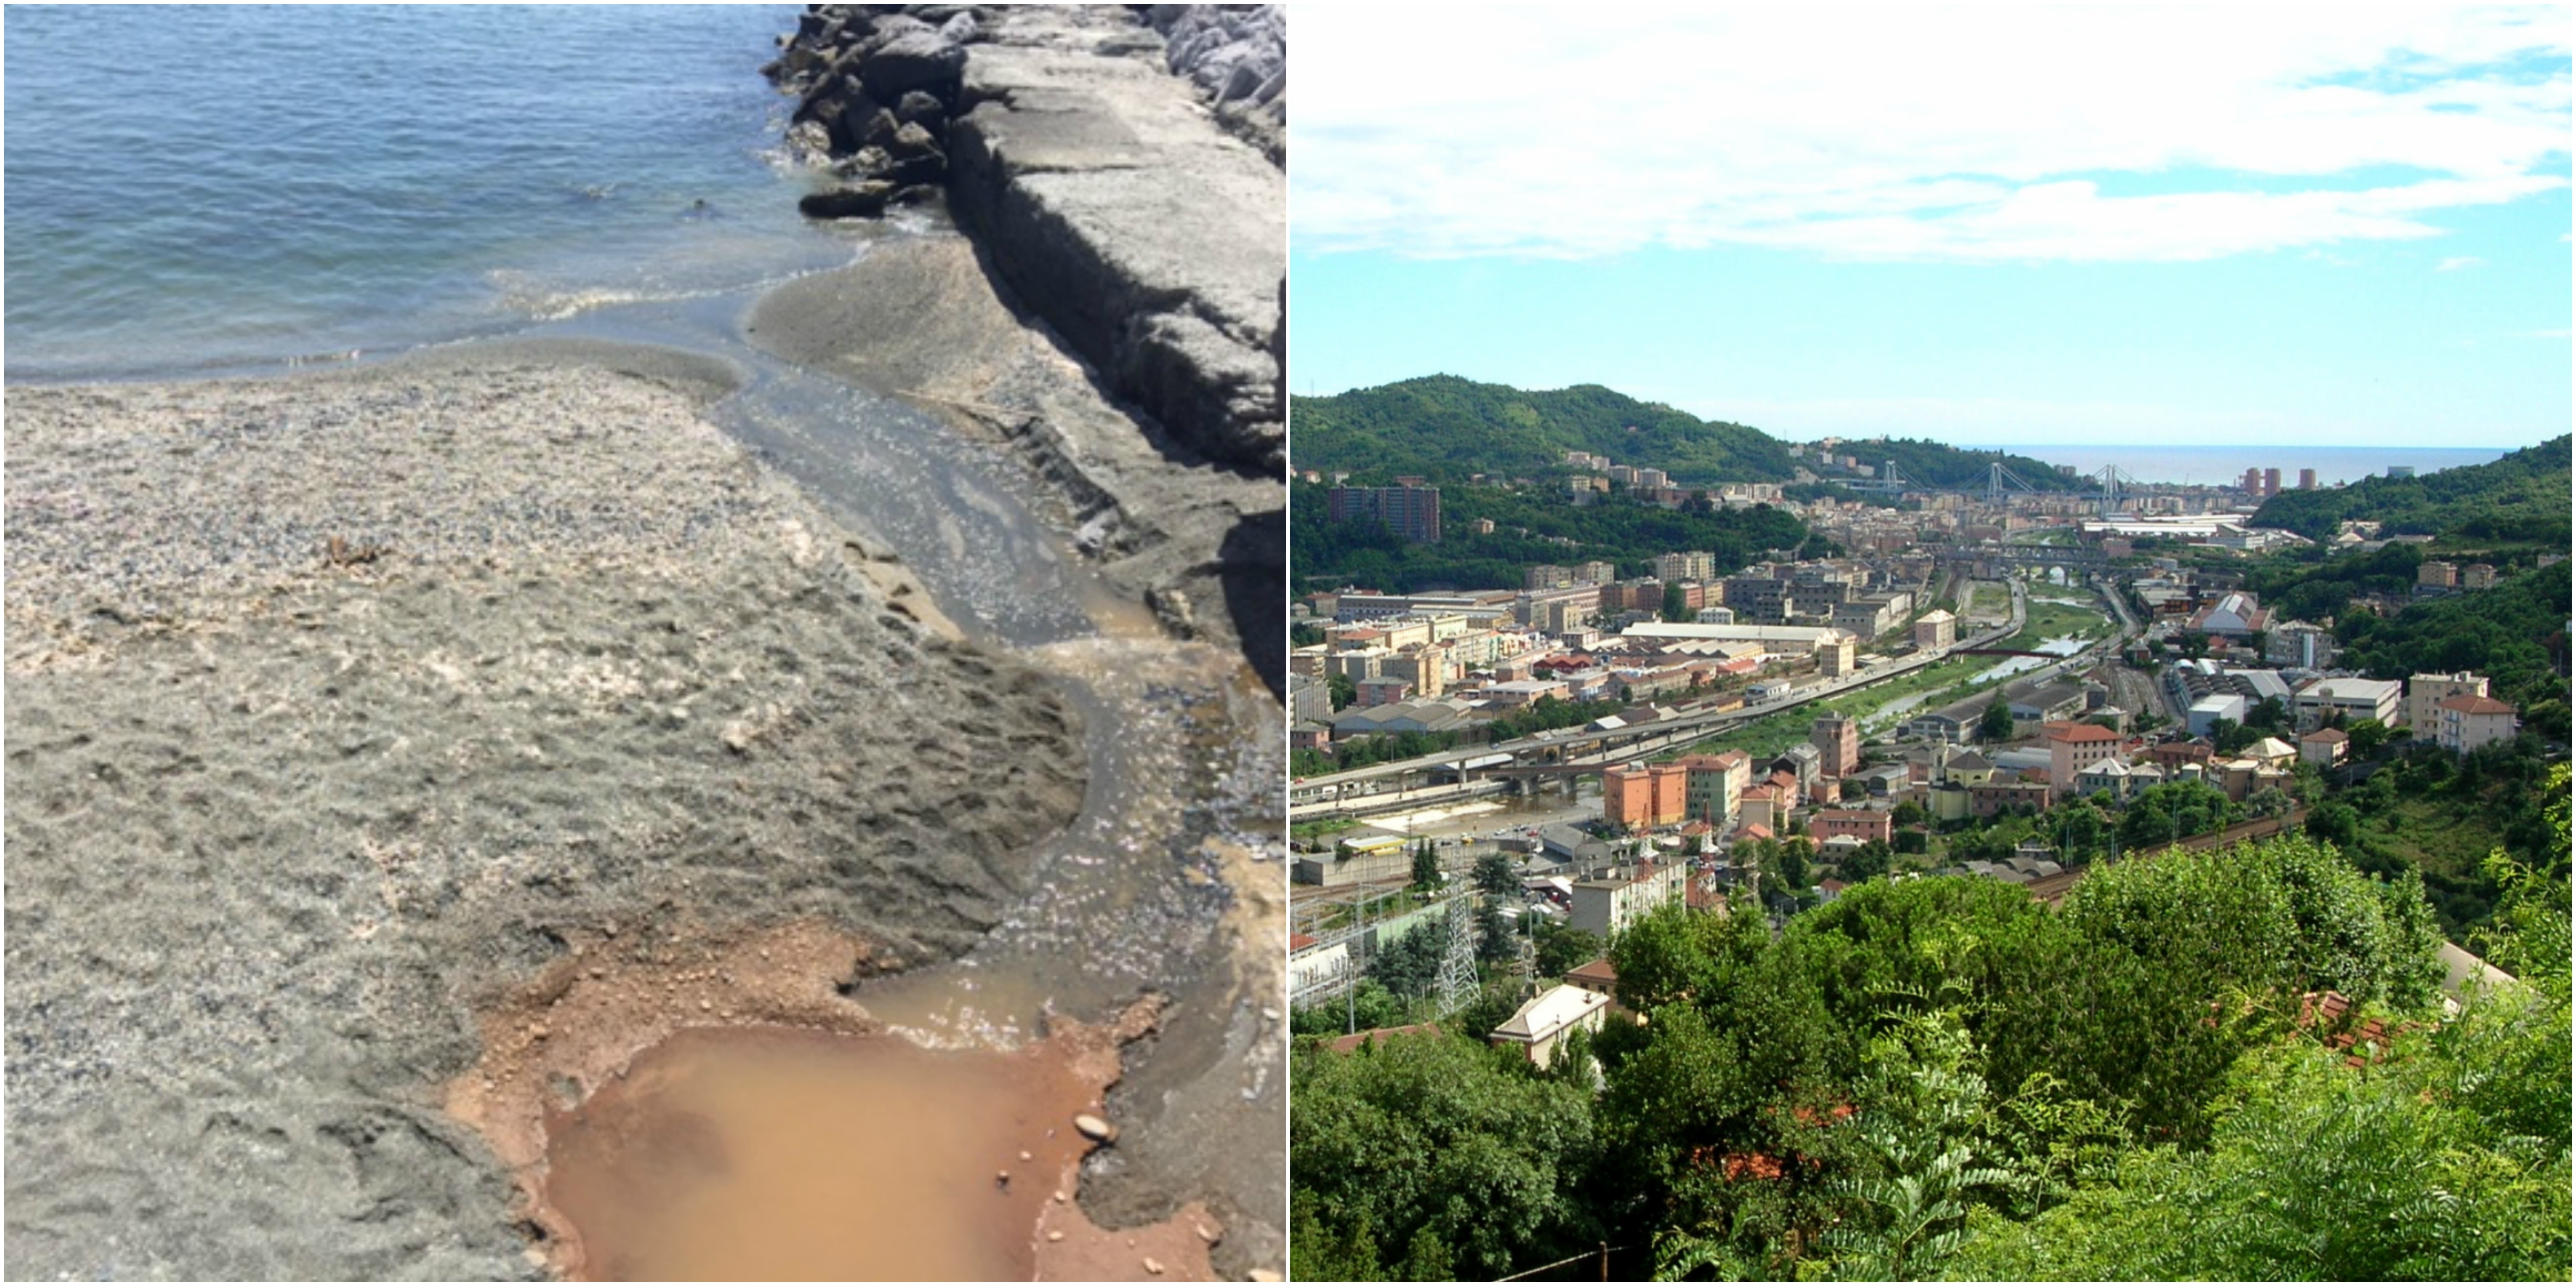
402, 755
1166, 883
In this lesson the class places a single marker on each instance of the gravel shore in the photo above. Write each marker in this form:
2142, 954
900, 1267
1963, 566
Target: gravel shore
337, 706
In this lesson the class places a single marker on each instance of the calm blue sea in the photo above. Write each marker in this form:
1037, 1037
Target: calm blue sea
197, 186
2214, 465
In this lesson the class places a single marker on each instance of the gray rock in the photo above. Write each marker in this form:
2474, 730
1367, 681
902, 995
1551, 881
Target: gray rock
865, 200
910, 140
880, 130
914, 61
922, 109
896, 25
961, 29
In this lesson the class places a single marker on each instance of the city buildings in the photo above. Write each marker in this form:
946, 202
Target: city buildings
1410, 512
2426, 692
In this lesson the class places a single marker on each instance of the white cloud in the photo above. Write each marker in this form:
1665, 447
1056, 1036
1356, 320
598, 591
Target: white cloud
2457, 262
2071, 132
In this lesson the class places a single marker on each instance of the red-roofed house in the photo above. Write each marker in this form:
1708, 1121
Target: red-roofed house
1864, 824
2469, 722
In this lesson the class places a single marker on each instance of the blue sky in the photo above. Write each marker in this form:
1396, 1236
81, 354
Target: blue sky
2324, 226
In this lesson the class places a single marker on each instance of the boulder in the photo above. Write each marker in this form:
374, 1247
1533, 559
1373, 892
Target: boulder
864, 200
922, 109
914, 61
908, 140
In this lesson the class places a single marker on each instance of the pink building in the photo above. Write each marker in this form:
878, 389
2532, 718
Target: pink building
1861, 823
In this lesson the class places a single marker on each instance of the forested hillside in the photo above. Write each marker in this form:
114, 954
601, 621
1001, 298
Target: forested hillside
2515, 634
1446, 428
2522, 498
1327, 555
1947, 468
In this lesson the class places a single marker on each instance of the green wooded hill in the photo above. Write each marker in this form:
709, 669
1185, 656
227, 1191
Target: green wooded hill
1947, 468
2520, 498
1446, 428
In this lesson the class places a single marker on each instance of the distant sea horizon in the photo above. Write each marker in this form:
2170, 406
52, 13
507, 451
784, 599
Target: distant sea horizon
2208, 465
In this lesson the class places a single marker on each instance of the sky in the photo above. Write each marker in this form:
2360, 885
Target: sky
1991, 225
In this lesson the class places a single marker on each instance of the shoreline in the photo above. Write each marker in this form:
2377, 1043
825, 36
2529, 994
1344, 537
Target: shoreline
390, 689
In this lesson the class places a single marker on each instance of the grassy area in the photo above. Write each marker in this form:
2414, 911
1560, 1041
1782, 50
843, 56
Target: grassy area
2057, 620
1773, 733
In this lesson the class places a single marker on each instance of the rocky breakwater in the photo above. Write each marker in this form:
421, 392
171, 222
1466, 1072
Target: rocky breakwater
1106, 199
1238, 57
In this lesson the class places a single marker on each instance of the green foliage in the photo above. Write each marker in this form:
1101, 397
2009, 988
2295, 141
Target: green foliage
2315, 1172
1343, 691
1494, 939
1561, 948
1925, 1076
1426, 867
1545, 714
1369, 1006
1446, 428
1676, 605
2522, 497
1925, 1158
1441, 1137
1411, 963
2515, 634
1947, 468
1529, 527
2175, 810
1996, 724
1496, 876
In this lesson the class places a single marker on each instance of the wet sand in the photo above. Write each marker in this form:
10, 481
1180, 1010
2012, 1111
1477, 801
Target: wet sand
340, 707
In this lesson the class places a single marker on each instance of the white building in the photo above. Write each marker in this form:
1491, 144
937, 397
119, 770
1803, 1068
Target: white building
1540, 1026
2354, 699
1611, 903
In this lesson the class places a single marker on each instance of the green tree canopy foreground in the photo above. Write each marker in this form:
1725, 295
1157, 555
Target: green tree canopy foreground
1939, 1076
1432, 1141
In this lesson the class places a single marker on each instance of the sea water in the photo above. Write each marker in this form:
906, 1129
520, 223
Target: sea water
2219, 466
194, 187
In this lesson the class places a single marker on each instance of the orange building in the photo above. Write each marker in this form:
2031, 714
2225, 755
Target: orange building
1644, 795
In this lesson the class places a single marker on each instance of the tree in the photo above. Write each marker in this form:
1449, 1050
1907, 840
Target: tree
1493, 935
1442, 1137
1676, 605
1561, 948
1997, 723
1868, 862
1496, 876
1426, 867
2367, 735
1343, 691
2268, 714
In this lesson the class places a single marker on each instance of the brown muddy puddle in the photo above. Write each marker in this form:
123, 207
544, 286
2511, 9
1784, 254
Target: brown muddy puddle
678, 1108
773, 1153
